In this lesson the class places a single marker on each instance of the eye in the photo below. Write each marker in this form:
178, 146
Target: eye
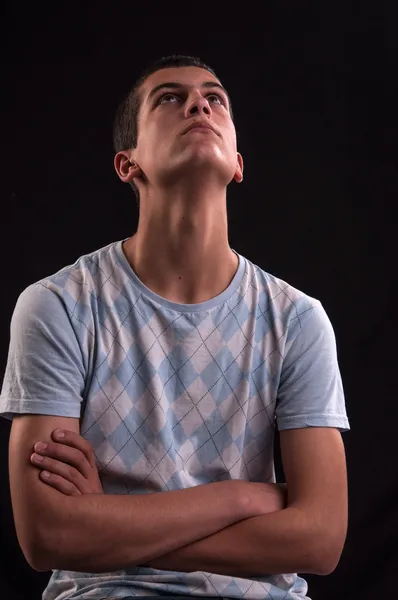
166, 97
220, 99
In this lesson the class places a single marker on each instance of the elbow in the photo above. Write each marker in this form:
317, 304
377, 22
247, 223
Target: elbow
39, 552
37, 556
28, 541
38, 567
327, 554
326, 567
34, 555
330, 564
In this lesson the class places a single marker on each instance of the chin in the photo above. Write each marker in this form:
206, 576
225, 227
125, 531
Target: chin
206, 155
198, 160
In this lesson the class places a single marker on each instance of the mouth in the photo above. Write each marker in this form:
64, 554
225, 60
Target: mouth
202, 127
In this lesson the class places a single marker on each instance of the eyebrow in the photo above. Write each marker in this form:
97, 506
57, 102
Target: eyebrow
177, 86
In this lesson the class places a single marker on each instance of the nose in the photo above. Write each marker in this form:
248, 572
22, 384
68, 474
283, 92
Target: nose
197, 104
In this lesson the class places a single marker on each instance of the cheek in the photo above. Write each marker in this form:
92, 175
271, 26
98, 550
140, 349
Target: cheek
232, 145
230, 138
149, 145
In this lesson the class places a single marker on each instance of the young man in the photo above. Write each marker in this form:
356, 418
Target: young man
174, 357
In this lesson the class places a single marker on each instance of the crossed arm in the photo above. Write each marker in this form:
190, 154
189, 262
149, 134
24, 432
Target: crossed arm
276, 543
314, 523
101, 533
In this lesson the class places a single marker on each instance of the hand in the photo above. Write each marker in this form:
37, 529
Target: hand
265, 498
70, 463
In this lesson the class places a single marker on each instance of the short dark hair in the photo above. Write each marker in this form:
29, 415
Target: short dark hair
125, 124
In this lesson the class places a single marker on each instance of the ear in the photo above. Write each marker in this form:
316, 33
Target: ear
238, 177
126, 167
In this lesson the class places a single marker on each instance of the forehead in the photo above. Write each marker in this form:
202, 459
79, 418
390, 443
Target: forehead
192, 76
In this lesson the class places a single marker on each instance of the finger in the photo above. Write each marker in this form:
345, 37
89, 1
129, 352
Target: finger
59, 483
75, 440
66, 454
65, 471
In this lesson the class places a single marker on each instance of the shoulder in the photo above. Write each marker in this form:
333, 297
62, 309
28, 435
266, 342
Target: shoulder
73, 287
282, 302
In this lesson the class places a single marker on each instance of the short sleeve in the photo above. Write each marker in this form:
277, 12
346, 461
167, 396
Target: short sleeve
311, 392
44, 372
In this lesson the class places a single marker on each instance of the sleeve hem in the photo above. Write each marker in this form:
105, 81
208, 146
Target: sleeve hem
20, 406
323, 420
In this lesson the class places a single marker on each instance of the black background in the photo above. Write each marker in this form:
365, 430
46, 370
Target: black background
314, 93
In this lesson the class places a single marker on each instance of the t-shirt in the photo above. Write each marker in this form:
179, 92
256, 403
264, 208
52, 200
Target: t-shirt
172, 395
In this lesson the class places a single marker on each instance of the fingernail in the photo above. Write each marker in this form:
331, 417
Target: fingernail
38, 457
59, 434
40, 446
45, 474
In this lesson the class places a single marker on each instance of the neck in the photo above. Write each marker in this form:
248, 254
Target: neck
180, 250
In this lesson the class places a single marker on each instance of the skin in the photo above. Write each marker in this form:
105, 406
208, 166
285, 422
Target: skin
181, 250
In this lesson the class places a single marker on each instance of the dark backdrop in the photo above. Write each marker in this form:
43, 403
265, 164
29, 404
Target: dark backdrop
314, 93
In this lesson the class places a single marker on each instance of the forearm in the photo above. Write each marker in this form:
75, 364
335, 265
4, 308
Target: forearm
101, 533
279, 542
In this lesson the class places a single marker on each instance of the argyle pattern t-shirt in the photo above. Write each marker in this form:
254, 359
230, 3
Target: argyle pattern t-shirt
172, 395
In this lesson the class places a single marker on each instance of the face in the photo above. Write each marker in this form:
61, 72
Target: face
171, 101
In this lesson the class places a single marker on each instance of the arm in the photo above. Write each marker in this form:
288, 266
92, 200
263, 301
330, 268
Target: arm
306, 537
309, 535
99, 532
46, 374
274, 543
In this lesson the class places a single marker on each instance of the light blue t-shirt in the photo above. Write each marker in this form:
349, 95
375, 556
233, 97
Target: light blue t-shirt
172, 395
